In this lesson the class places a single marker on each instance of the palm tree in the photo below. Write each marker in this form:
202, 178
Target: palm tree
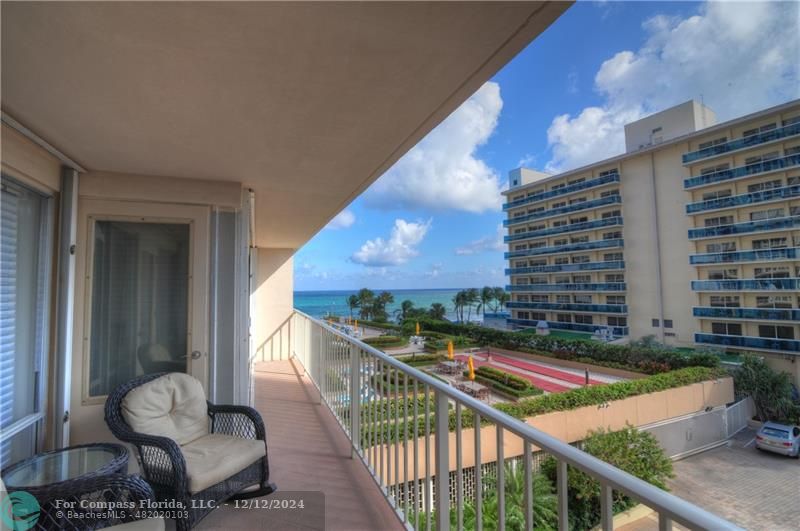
471, 297
501, 297
353, 303
405, 308
366, 300
487, 296
379, 305
459, 300
437, 311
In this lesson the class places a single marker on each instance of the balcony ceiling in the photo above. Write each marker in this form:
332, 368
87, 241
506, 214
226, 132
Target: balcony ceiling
305, 103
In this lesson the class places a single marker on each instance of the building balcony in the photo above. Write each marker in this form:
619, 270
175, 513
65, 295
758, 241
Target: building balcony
585, 205
577, 187
771, 284
571, 307
564, 229
604, 286
776, 194
742, 171
760, 314
764, 225
757, 255
586, 266
575, 327
789, 346
742, 143
567, 248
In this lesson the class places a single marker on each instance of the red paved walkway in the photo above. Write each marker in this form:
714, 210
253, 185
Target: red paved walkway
547, 371
541, 383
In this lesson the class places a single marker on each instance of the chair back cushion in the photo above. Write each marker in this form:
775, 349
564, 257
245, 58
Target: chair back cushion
173, 406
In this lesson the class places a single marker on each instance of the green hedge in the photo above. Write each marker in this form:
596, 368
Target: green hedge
380, 324
420, 360
509, 392
629, 357
386, 341
505, 378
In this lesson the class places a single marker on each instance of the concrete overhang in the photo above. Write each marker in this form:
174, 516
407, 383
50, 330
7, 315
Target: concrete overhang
305, 103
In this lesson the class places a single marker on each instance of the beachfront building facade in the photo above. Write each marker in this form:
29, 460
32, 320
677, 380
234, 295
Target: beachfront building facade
692, 235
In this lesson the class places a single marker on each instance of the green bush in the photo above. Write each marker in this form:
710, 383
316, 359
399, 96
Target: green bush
506, 378
506, 390
383, 325
770, 390
636, 452
419, 360
386, 341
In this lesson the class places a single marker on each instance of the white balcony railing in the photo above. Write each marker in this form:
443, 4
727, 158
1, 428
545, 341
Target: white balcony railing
409, 449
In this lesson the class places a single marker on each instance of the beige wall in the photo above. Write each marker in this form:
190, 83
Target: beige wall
780, 362
272, 304
27, 162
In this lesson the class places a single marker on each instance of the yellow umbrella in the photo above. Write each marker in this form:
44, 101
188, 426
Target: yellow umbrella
450, 350
417, 329
356, 325
471, 365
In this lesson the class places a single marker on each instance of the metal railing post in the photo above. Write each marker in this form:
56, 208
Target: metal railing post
561, 491
355, 399
442, 453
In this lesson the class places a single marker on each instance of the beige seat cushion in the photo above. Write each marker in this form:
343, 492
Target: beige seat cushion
215, 457
173, 406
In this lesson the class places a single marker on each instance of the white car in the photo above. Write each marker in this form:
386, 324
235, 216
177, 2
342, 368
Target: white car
779, 438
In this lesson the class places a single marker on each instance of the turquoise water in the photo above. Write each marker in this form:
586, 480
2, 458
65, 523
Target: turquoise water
320, 303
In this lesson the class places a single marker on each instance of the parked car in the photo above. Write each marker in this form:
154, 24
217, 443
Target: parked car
779, 438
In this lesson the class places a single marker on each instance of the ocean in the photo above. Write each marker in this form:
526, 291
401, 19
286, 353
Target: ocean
320, 303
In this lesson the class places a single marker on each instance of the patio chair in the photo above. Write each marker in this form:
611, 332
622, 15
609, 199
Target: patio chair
190, 450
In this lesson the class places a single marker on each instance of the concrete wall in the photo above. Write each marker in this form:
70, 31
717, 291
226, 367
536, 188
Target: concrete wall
29, 163
272, 304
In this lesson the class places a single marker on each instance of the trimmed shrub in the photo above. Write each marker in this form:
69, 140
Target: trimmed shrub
383, 325
386, 341
420, 360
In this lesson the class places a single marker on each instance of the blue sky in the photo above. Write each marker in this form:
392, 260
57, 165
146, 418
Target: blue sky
432, 221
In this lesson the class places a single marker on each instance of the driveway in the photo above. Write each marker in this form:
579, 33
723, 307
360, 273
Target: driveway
755, 490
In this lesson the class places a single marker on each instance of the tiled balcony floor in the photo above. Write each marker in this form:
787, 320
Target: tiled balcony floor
307, 452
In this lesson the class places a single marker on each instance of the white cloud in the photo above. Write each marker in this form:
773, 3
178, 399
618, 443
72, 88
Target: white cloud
442, 171
527, 161
398, 249
489, 243
343, 220
739, 56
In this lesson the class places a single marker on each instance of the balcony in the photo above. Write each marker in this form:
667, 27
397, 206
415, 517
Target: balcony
607, 286
577, 187
585, 205
776, 194
742, 143
763, 314
791, 346
618, 331
758, 255
567, 248
572, 227
772, 284
571, 307
586, 266
742, 171
764, 225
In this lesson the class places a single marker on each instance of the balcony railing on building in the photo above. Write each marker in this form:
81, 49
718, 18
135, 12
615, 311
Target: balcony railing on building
576, 207
571, 307
618, 331
564, 229
577, 187
771, 314
775, 194
747, 342
741, 143
410, 446
566, 248
757, 255
584, 266
764, 225
742, 171
583, 286
771, 284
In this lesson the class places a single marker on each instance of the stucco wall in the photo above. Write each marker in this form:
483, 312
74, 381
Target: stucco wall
273, 303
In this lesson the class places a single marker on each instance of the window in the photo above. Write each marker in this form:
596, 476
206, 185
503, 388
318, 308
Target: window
724, 301
558, 186
580, 259
520, 247
611, 214
562, 280
538, 316
579, 279
537, 263
656, 323
616, 321
615, 278
774, 301
766, 214
558, 242
794, 210
523, 315
714, 169
562, 299
582, 299
757, 130
561, 260
612, 257
772, 272
540, 298
532, 228
538, 280
584, 319
577, 200
522, 282
564, 318
519, 231
609, 193
560, 223
719, 194
776, 331
24, 274
615, 299
612, 171
582, 219
770, 243
667, 323
723, 274
536, 210
521, 298
576, 181
616, 235
520, 264
791, 121
728, 329
711, 143
717, 221
579, 239
793, 181
537, 245
761, 158
766, 185
560, 204
721, 247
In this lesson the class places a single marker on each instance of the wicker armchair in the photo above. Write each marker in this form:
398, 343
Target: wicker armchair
184, 470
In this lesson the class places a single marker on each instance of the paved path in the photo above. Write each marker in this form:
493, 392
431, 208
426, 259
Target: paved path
541, 383
547, 371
